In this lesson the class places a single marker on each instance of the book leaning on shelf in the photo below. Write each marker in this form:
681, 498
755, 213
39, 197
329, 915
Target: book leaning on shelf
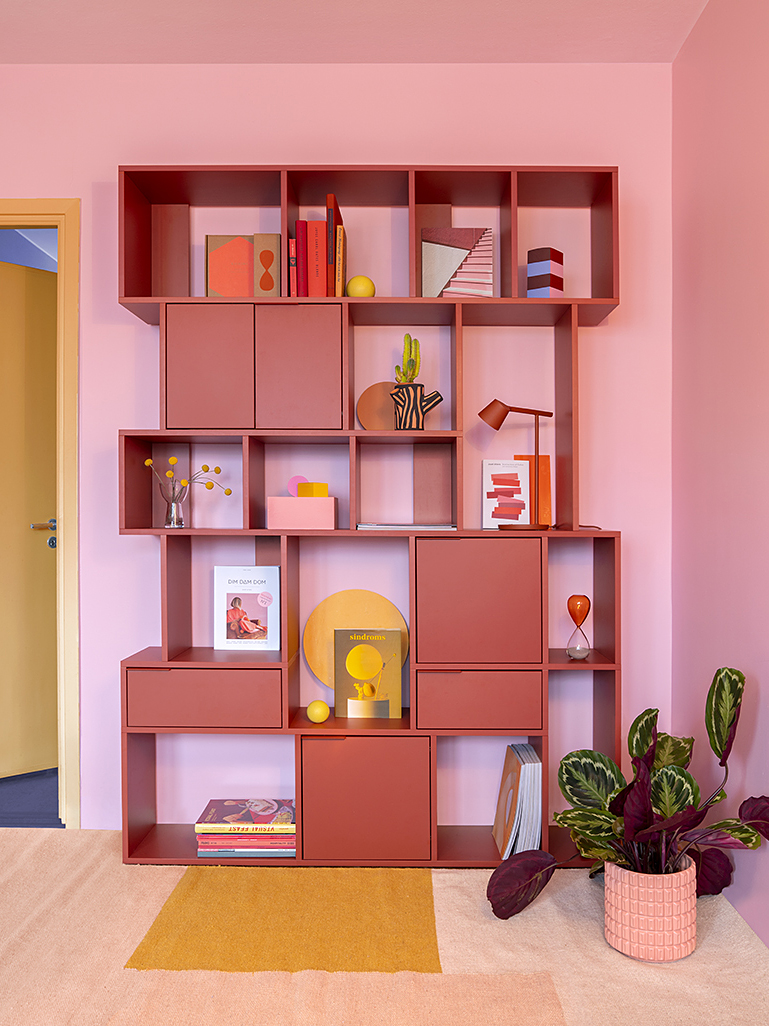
518, 820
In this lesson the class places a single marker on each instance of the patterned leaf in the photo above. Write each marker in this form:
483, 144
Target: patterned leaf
517, 881
642, 733
728, 833
588, 779
714, 870
673, 751
673, 789
595, 822
686, 819
756, 812
722, 710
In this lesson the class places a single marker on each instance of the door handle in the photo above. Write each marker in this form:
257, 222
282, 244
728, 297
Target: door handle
49, 525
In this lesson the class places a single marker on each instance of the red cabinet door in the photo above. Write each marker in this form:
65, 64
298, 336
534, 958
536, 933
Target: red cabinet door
203, 698
479, 600
480, 700
365, 798
210, 365
298, 366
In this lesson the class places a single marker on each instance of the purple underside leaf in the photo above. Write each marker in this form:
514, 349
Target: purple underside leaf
718, 838
714, 870
638, 813
755, 811
517, 881
686, 819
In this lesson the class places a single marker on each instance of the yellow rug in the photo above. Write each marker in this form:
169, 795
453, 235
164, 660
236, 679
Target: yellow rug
289, 919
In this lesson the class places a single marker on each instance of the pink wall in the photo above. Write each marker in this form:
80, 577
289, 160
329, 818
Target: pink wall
90, 119
721, 415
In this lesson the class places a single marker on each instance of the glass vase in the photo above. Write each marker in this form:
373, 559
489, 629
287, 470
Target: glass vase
174, 493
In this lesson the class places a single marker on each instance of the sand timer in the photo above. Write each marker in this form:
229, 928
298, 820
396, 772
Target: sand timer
579, 607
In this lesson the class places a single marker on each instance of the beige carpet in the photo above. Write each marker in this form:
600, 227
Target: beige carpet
72, 915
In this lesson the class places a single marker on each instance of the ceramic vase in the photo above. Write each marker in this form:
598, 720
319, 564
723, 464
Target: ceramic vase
411, 405
651, 917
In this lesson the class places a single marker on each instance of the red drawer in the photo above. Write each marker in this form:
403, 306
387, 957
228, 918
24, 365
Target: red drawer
480, 700
366, 798
204, 698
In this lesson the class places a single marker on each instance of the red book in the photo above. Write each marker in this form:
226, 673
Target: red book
301, 258
317, 273
333, 221
292, 267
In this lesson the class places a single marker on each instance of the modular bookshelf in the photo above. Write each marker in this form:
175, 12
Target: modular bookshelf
286, 377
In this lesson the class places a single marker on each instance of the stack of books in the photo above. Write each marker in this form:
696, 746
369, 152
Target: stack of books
244, 828
518, 821
317, 255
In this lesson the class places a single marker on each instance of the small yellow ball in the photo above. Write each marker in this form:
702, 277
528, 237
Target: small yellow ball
204, 468
361, 286
228, 491
185, 482
318, 711
217, 470
209, 485
169, 473
148, 463
172, 460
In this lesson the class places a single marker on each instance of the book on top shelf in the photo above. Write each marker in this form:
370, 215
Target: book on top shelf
229, 265
248, 816
333, 223
317, 271
247, 608
340, 262
267, 264
301, 258
292, 284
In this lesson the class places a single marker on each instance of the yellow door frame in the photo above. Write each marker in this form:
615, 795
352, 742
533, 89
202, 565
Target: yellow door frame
63, 214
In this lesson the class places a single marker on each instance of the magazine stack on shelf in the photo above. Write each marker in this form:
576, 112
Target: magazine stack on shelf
518, 821
243, 828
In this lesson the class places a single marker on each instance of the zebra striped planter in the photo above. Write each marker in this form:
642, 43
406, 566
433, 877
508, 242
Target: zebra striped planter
411, 405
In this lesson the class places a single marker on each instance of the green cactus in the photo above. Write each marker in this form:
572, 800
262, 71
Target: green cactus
411, 361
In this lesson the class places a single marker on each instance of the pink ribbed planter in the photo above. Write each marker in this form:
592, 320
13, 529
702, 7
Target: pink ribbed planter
652, 918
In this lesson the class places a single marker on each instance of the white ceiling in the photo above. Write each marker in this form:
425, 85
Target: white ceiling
343, 31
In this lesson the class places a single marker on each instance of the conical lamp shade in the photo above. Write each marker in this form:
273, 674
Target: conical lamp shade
494, 414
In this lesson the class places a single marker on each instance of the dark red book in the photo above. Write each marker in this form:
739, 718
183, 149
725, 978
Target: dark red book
333, 221
301, 258
292, 267
317, 272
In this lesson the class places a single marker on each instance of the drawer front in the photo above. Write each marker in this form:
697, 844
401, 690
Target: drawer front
366, 798
204, 698
480, 700
479, 600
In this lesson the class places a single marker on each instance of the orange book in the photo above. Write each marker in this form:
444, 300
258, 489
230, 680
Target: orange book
340, 261
317, 271
545, 502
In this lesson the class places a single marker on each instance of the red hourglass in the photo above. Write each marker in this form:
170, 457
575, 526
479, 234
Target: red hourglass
579, 607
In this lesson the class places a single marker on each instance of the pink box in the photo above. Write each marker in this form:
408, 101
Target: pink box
308, 513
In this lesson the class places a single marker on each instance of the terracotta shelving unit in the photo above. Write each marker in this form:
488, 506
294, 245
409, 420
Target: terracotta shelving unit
286, 376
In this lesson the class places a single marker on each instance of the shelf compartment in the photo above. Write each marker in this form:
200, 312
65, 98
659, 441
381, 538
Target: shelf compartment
405, 478
172, 844
592, 190
154, 219
272, 461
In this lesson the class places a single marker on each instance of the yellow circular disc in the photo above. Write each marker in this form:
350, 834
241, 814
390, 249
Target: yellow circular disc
318, 711
363, 662
350, 609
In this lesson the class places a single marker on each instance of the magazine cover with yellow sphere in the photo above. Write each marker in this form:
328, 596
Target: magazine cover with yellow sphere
367, 673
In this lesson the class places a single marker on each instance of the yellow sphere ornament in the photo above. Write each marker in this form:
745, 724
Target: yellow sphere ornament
360, 286
318, 711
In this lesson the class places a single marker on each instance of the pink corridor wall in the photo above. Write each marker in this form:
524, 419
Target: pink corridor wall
721, 415
71, 126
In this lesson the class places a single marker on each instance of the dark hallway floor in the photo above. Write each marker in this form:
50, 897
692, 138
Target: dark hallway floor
30, 800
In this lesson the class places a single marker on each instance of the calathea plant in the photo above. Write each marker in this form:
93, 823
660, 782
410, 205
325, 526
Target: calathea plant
652, 823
